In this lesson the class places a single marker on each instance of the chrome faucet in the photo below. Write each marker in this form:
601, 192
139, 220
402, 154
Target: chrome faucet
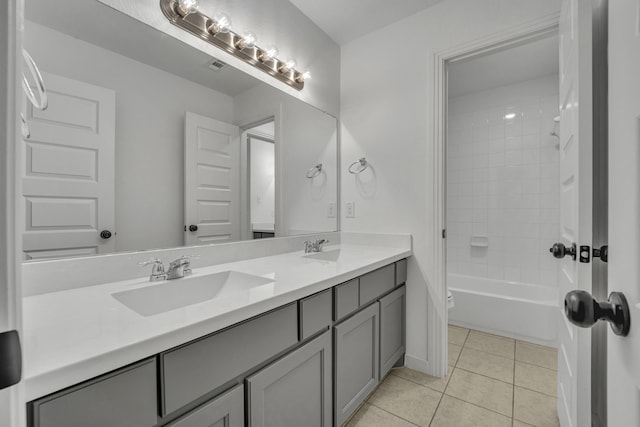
316, 246
157, 271
178, 268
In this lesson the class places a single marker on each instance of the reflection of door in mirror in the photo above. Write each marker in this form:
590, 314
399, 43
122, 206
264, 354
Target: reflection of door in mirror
261, 168
68, 180
212, 181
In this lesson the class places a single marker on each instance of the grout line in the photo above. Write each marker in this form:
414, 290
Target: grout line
436, 410
422, 385
395, 415
481, 407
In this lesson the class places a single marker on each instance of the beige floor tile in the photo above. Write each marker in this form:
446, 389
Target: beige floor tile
453, 412
370, 416
536, 378
538, 355
482, 391
438, 384
517, 423
406, 399
493, 344
457, 335
453, 354
487, 364
535, 408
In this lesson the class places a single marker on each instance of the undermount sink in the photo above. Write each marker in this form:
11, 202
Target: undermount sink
172, 294
332, 255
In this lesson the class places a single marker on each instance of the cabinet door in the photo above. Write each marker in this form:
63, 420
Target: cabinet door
392, 329
226, 410
295, 390
356, 358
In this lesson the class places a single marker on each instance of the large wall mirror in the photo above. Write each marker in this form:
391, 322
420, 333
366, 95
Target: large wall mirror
150, 143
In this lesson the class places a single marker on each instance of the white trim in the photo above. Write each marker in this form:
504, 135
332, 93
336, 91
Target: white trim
11, 17
437, 332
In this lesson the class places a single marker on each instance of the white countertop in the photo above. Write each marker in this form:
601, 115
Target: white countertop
77, 334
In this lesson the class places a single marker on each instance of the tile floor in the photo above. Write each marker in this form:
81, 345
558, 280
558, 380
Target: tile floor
493, 381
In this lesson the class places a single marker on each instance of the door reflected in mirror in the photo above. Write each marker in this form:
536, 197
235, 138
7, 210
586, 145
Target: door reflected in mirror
150, 143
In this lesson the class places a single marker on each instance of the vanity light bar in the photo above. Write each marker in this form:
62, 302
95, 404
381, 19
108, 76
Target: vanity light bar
199, 24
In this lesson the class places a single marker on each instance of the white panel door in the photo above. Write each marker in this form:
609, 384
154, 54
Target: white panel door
574, 344
12, 411
68, 175
212, 181
623, 354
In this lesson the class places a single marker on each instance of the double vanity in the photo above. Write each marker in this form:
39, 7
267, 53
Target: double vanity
289, 339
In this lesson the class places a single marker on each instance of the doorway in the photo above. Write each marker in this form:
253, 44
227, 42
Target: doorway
260, 187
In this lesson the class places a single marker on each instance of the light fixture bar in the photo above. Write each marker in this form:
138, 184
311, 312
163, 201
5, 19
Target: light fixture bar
197, 24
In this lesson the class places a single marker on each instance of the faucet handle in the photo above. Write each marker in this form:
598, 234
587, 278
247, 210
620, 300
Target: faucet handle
157, 271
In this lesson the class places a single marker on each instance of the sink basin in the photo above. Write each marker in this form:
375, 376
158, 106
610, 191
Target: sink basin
178, 293
332, 255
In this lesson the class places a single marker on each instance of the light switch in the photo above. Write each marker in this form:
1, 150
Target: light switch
331, 211
351, 209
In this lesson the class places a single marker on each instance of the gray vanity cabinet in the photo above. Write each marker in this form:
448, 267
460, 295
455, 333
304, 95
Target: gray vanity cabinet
295, 390
356, 358
392, 329
124, 398
226, 410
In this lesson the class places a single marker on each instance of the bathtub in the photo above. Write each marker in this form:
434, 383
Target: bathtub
517, 310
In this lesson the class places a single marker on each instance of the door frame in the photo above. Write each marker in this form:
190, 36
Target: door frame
437, 317
12, 17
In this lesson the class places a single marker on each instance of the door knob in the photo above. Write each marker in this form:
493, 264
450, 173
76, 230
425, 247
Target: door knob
583, 310
105, 234
560, 251
193, 228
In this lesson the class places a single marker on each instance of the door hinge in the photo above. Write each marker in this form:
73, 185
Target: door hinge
444, 233
11, 356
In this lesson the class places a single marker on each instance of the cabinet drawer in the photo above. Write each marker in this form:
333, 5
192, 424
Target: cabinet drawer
226, 410
199, 367
346, 299
401, 272
376, 283
392, 329
127, 397
315, 313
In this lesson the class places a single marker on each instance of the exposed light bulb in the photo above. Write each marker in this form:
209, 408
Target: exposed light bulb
287, 66
186, 7
248, 40
268, 54
221, 24
510, 116
303, 76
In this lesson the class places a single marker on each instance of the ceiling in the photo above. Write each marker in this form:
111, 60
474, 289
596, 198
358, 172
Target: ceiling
508, 66
346, 20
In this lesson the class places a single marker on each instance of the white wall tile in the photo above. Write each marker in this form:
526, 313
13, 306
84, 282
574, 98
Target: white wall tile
503, 182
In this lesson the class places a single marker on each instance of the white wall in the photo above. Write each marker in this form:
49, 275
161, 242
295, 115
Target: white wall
304, 137
386, 95
274, 22
150, 109
502, 182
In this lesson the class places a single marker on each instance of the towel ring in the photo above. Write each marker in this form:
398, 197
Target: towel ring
35, 72
314, 171
363, 166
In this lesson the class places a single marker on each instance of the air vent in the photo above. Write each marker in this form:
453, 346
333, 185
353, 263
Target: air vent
217, 65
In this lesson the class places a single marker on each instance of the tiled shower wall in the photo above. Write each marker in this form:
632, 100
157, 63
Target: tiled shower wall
503, 183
